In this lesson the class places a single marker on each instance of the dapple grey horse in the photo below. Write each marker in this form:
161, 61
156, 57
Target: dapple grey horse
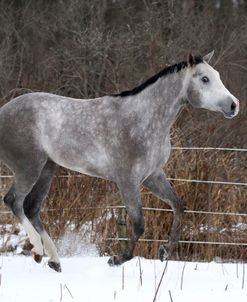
124, 138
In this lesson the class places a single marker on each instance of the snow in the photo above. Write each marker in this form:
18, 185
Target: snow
77, 243
87, 277
12, 237
91, 279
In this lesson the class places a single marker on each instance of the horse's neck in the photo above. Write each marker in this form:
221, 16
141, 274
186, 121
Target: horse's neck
159, 104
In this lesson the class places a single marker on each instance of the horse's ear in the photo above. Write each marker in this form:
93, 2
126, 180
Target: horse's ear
208, 57
190, 59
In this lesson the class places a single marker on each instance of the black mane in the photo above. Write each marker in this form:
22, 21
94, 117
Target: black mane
170, 69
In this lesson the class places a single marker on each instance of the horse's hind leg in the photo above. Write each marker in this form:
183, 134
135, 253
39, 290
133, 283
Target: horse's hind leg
130, 194
24, 181
32, 205
160, 186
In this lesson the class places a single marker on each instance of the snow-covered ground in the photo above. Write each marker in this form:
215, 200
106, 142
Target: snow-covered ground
87, 277
91, 279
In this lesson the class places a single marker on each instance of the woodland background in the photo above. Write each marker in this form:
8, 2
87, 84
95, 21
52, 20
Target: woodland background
86, 49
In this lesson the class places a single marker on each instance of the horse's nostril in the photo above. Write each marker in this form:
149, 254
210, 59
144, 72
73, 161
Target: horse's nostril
233, 107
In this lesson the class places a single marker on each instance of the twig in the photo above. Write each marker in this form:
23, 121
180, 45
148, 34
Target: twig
162, 276
61, 292
155, 276
243, 276
123, 278
140, 270
170, 294
182, 277
68, 291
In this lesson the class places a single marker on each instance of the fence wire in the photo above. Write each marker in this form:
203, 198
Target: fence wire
232, 183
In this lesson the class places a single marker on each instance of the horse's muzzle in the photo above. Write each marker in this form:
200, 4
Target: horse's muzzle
232, 109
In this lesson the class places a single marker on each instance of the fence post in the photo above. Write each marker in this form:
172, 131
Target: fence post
122, 227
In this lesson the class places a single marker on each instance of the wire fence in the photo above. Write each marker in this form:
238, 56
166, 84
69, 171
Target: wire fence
212, 182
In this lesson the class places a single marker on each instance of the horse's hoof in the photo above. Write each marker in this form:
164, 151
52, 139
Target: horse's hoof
55, 266
37, 258
163, 253
114, 260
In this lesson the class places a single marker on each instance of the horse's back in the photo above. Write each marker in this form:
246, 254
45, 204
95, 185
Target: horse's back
66, 130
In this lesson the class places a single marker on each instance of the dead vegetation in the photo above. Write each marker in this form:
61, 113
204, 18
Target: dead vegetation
91, 48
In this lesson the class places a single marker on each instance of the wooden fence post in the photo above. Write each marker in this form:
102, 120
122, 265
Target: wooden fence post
122, 227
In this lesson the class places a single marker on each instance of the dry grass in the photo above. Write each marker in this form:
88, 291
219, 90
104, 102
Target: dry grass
83, 200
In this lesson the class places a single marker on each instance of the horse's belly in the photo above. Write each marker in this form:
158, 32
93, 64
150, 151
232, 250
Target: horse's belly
89, 163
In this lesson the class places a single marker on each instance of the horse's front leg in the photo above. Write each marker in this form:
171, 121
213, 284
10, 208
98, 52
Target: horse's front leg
160, 186
130, 195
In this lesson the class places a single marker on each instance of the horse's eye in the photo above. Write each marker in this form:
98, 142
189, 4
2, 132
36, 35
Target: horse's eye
205, 79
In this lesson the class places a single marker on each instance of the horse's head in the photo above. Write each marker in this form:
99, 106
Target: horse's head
206, 90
